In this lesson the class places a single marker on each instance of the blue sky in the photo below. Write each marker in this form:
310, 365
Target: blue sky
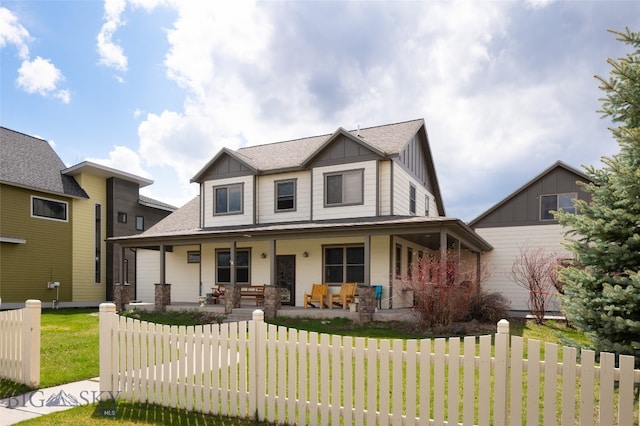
158, 87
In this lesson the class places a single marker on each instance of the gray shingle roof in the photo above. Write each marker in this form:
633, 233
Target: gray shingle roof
30, 162
389, 138
150, 202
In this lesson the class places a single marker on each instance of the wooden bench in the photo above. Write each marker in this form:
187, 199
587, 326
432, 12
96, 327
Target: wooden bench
255, 291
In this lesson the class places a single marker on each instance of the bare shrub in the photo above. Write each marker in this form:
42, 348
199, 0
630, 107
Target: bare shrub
536, 271
488, 307
442, 291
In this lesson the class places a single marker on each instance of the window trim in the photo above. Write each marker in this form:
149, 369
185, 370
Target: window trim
276, 183
574, 195
66, 209
193, 256
228, 186
342, 173
412, 199
139, 219
122, 217
426, 205
345, 265
217, 266
398, 261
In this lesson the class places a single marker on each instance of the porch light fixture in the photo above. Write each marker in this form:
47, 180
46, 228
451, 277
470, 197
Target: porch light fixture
305, 254
263, 255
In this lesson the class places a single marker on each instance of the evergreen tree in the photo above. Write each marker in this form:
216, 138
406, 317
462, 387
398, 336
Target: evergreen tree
602, 283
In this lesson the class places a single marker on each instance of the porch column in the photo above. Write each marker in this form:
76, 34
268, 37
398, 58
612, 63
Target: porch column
272, 263
367, 260
234, 290
443, 256
163, 276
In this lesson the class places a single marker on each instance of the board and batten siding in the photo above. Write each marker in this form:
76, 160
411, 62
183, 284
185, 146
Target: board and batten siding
367, 209
266, 196
85, 287
506, 242
244, 218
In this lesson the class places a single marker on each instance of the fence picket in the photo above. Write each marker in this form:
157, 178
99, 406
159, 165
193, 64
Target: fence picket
550, 383
292, 377
347, 380
372, 381
484, 381
453, 384
568, 386
336, 378
283, 350
272, 371
625, 403
398, 390
607, 374
517, 379
533, 382
384, 389
425, 381
469, 387
303, 394
410, 362
313, 378
359, 362
234, 329
439, 380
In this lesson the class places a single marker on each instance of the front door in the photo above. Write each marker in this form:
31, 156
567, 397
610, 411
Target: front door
286, 278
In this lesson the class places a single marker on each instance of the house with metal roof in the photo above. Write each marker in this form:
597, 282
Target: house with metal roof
524, 221
55, 220
351, 206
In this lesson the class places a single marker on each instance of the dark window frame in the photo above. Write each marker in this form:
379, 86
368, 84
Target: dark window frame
412, 199
285, 198
545, 214
328, 197
139, 223
398, 263
39, 211
228, 197
348, 268
122, 217
245, 266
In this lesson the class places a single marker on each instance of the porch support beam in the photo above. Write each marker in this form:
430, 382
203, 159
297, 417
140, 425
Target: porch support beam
443, 256
367, 259
272, 262
163, 271
232, 260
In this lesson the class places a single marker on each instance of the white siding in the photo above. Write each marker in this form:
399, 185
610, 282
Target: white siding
266, 198
246, 218
184, 277
147, 274
506, 242
401, 183
385, 187
368, 208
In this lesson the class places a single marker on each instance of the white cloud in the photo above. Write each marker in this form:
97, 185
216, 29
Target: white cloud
111, 54
42, 77
12, 32
125, 159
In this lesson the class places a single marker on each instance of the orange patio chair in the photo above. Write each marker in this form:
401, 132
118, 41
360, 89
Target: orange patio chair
346, 296
318, 295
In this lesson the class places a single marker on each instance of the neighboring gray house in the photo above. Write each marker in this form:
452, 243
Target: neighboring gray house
523, 219
351, 206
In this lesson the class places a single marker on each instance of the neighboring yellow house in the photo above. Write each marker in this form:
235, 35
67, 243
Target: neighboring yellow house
54, 222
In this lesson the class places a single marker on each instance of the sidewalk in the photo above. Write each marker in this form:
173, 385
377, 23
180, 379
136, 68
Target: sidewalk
48, 400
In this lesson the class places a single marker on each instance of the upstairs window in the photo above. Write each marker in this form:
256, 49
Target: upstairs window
412, 199
140, 223
122, 217
285, 195
426, 205
49, 209
555, 202
343, 188
227, 199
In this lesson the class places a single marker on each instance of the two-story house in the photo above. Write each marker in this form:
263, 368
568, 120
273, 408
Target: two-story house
524, 220
351, 206
55, 220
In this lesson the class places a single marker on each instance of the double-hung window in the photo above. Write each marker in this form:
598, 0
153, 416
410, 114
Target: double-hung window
344, 264
549, 203
344, 188
224, 266
49, 209
227, 199
285, 195
412, 199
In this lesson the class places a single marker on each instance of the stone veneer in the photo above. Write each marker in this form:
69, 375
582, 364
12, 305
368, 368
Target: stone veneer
366, 303
163, 296
121, 296
272, 301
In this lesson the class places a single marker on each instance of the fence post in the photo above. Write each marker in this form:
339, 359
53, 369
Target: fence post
31, 343
501, 379
107, 311
257, 365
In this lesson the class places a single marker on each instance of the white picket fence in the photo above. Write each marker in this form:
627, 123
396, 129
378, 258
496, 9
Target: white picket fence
260, 371
20, 344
